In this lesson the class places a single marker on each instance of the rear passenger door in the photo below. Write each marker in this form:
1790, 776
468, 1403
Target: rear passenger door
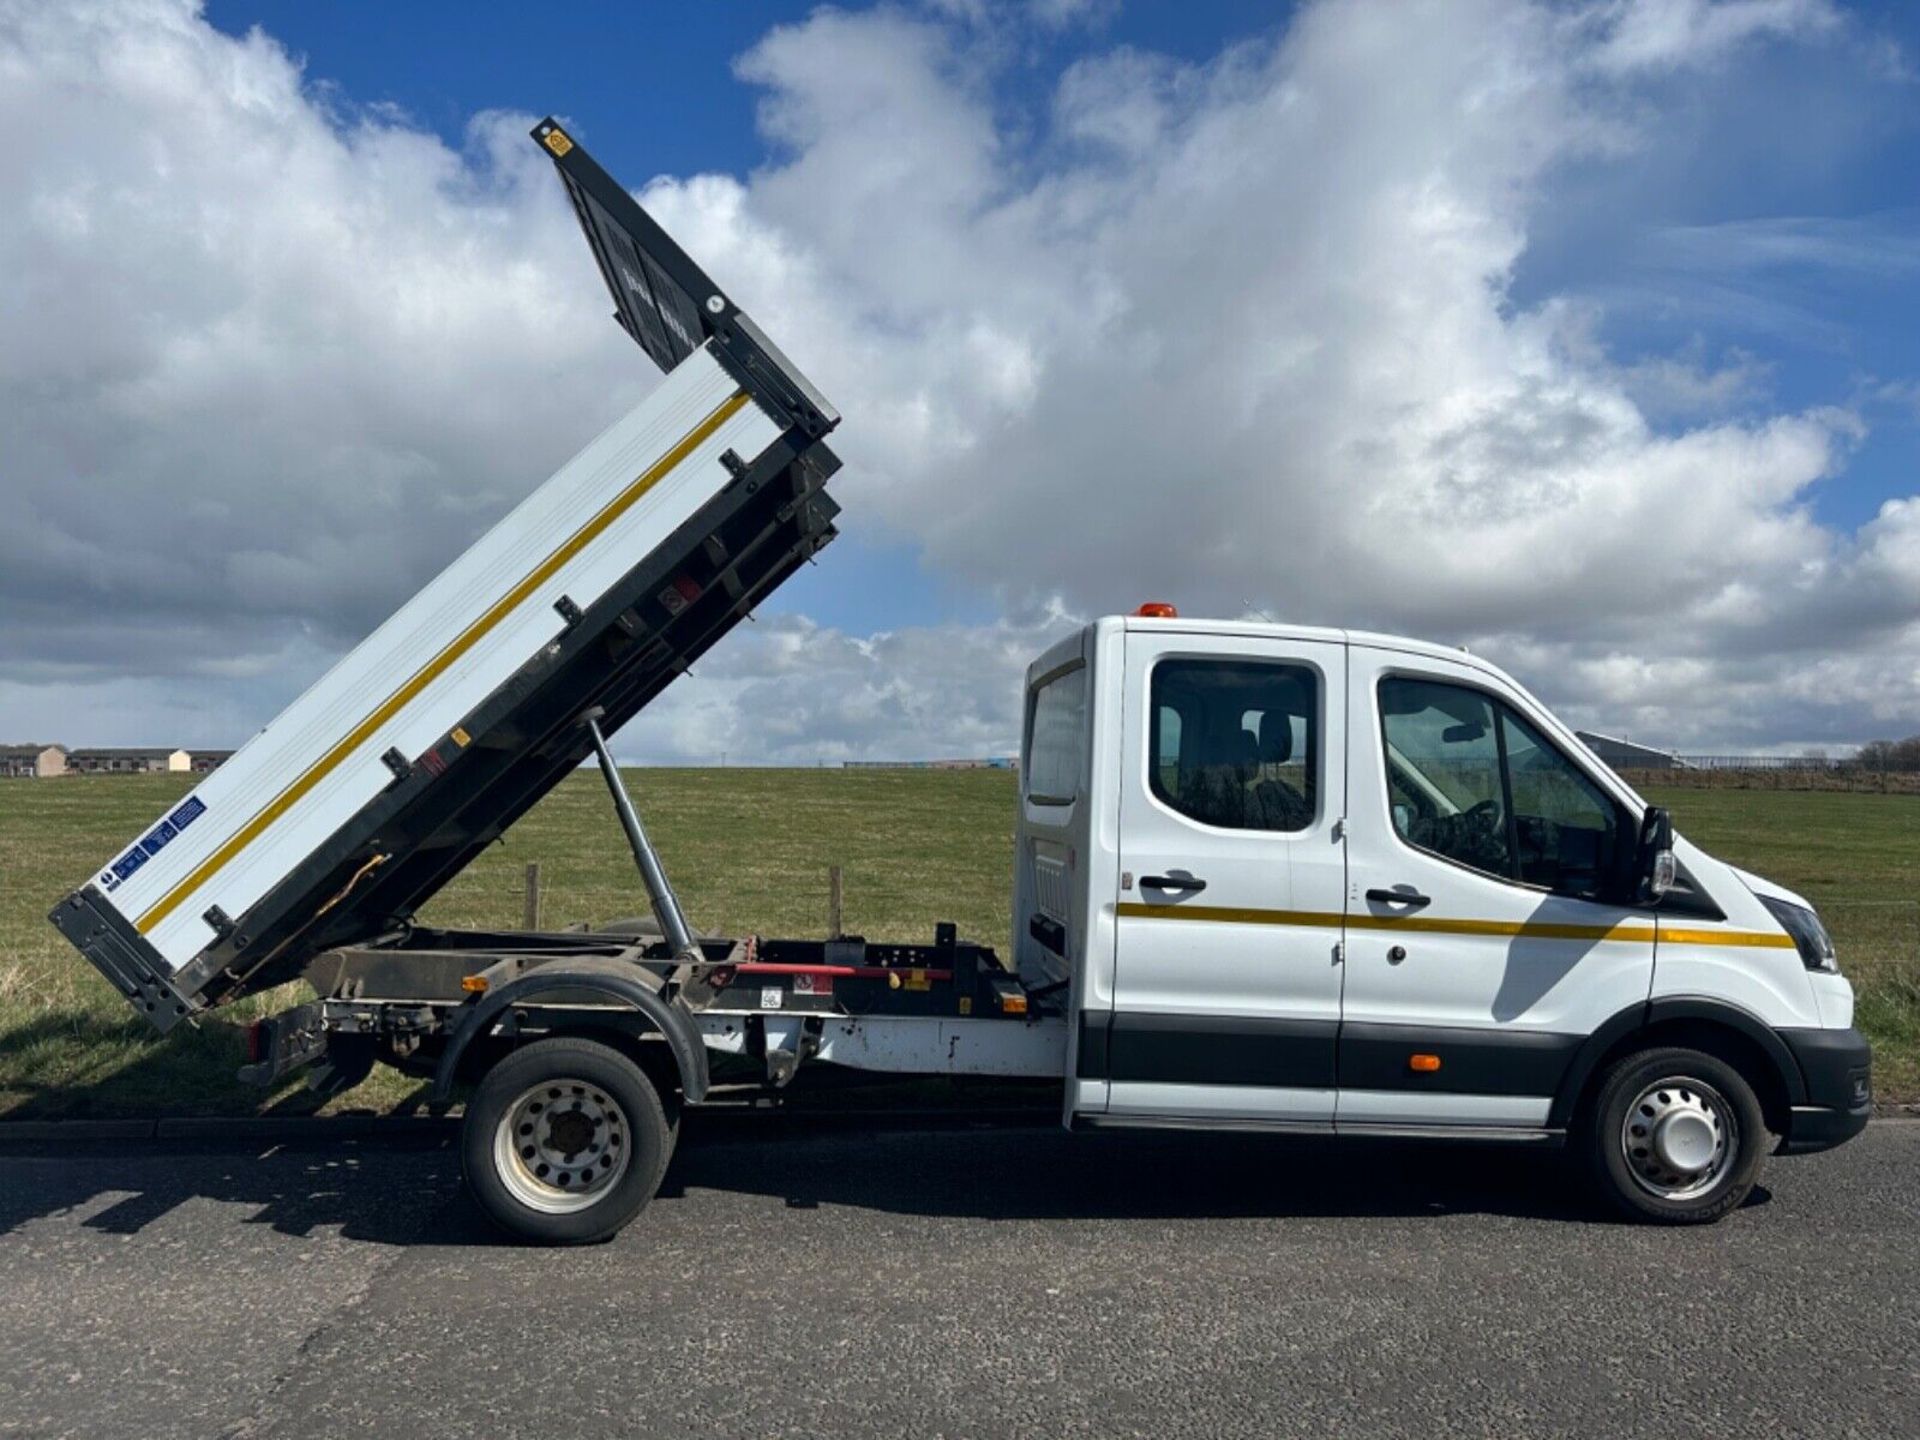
1229, 894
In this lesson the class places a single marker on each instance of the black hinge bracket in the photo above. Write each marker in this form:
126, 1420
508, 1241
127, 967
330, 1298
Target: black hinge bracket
569, 611
397, 763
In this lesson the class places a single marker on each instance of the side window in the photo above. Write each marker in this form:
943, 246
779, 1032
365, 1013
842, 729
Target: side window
1443, 768
1166, 753
1567, 832
1234, 743
1056, 738
1472, 782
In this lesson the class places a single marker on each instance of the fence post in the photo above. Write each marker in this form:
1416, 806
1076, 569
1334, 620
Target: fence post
530, 912
835, 928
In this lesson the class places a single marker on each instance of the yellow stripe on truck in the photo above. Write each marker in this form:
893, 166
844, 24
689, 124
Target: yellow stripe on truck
1755, 939
440, 663
1503, 929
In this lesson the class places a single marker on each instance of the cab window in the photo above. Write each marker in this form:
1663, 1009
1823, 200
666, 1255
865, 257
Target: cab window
1233, 743
1470, 781
1056, 745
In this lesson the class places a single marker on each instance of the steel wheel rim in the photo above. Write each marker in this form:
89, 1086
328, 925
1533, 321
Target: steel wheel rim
1679, 1138
562, 1146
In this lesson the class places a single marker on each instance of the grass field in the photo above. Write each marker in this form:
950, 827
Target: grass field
749, 851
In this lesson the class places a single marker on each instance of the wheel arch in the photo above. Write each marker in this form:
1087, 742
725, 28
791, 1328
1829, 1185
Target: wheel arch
1699, 1022
622, 984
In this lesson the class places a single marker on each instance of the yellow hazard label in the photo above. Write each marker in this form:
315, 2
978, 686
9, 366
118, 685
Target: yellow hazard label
558, 143
917, 980
966, 1005
461, 738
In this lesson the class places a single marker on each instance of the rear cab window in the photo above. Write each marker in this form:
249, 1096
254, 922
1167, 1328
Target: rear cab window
1056, 750
1235, 743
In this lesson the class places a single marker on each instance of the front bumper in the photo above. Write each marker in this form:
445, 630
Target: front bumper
1837, 1066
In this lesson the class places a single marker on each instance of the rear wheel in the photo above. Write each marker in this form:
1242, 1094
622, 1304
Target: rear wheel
1676, 1136
565, 1141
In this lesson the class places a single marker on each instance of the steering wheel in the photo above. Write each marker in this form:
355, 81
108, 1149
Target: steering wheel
1485, 816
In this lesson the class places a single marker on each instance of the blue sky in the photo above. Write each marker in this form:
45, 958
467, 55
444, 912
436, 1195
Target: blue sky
1581, 333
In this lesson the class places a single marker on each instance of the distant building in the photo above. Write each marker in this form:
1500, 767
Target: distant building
1625, 755
205, 760
32, 762
127, 762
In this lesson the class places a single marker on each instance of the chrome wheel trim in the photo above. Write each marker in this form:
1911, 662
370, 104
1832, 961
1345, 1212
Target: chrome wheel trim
1679, 1138
562, 1146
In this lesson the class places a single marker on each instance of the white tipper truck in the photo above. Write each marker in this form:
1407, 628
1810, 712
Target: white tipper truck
1265, 877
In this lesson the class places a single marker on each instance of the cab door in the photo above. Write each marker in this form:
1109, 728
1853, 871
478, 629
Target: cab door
1229, 897
1487, 933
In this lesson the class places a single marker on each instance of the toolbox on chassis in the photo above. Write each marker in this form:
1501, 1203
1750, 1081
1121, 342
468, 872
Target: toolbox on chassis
1265, 877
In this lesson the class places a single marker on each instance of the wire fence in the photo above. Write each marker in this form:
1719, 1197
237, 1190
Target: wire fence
549, 897
1878, 932
1878, 942
1762, 762
1887, 928
542, 897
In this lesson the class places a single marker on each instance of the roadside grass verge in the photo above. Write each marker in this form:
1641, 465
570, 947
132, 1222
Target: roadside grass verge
749, 850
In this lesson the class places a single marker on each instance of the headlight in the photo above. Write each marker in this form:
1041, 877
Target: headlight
1810, 937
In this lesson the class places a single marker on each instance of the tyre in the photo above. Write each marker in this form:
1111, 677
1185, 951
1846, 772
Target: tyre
565, 1141
1675, 1136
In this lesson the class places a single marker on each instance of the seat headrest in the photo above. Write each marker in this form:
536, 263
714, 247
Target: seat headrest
1276, 737
1246, 749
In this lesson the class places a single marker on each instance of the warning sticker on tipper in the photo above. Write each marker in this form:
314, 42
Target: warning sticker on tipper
771, 997
151, 844
124, 867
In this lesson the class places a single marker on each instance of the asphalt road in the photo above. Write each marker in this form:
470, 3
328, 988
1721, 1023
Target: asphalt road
800, 1280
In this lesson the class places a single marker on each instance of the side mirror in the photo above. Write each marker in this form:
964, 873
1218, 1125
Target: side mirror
1653, 857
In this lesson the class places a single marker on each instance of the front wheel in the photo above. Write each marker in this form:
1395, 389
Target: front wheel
565, 1141
1676, 1136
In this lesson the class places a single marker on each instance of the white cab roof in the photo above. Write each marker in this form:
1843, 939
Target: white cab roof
1277, 630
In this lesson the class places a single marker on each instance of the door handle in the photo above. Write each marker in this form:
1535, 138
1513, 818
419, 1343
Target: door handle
1412, 899
1191, 884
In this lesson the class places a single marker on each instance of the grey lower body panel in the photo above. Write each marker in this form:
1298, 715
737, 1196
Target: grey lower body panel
1324, 1128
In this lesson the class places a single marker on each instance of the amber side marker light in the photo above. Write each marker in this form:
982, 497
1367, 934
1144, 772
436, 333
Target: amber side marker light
1158, 610
1425, 1064
474, 984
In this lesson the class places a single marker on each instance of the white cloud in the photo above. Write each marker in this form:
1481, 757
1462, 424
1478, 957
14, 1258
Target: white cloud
792, 692
1237, 334
1644, 35
268, 366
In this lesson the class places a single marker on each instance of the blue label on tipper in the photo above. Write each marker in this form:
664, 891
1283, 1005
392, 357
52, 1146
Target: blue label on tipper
129, 862
156, 841
190, 810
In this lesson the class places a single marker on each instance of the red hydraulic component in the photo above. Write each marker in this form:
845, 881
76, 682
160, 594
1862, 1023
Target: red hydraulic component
838, 972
